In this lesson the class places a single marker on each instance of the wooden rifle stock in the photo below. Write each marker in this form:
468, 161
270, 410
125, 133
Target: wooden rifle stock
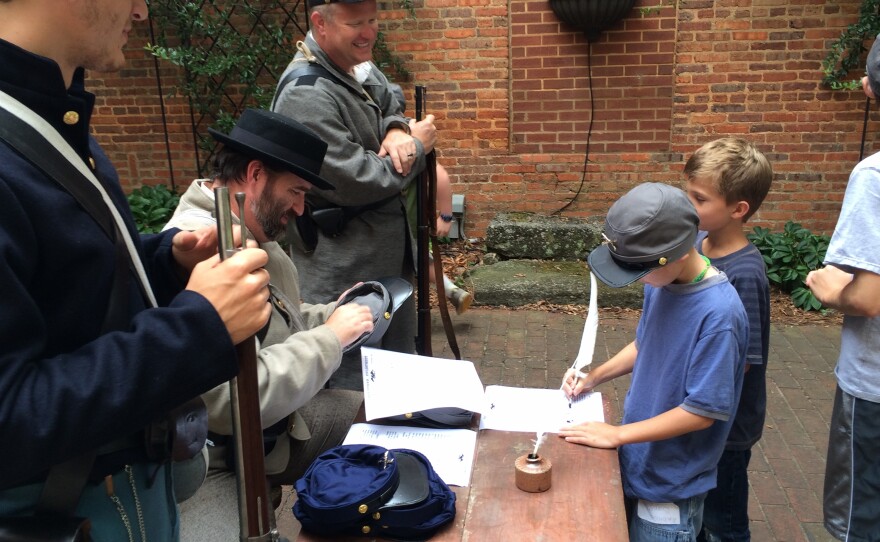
256, 516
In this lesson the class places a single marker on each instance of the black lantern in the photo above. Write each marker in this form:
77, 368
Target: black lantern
591, 16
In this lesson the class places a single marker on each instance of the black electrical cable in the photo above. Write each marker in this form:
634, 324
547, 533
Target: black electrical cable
589, 129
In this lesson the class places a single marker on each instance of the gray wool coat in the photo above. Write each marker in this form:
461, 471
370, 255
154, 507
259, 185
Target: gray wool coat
353, 119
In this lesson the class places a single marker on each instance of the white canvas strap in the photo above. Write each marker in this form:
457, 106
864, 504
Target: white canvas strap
54, 138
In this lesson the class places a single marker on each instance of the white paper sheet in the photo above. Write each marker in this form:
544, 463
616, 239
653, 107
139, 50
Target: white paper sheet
450, 451
536, 410
396, 383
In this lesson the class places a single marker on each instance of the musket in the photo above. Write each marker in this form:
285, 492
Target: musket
256, 517
425, 204
427, 241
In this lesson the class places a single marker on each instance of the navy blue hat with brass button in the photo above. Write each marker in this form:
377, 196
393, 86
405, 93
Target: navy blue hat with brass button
648, 227
362, 489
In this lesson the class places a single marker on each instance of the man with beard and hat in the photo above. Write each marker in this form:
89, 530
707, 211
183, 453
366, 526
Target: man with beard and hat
274, 161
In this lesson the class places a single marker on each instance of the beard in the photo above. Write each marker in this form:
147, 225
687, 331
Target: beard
269, 214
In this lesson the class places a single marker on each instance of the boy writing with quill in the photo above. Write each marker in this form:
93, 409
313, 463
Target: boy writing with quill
686, 363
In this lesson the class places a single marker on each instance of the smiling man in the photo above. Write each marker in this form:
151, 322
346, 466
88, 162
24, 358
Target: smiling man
373, 153
274, 161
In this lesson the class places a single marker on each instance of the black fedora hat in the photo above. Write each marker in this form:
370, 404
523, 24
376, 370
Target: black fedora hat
280, 141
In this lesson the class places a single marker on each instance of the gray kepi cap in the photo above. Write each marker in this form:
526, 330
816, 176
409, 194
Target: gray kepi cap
651, 225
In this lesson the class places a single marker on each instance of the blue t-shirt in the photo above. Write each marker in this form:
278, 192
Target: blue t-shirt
692, 341
746, 272
855, 244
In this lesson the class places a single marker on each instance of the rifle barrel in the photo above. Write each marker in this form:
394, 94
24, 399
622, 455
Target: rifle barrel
423, 190
256, 517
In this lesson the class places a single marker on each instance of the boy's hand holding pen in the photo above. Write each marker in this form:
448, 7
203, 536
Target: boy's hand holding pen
573, 379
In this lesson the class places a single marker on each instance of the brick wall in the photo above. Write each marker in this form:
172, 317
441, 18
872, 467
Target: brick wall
515, 92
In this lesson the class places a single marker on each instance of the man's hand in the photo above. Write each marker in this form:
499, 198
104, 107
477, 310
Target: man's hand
443, 227
402, 149
192, 247
425, 131
595, 434
238, 288
349, 322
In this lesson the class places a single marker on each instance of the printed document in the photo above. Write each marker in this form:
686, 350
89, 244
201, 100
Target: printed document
396, 383
450, 451
535, 410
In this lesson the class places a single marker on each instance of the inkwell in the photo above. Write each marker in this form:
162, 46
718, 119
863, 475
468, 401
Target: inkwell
532, 470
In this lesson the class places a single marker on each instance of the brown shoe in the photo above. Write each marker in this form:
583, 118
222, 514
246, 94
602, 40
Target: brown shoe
461, 299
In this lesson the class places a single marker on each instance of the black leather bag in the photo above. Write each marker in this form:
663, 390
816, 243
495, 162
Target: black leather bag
181, 434
44, 529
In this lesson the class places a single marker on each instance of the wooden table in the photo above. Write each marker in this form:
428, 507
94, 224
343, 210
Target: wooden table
584, 502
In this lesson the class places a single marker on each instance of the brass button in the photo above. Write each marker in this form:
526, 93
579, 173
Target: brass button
362, 509
365, 529
662, 261
408, 415
377, 515
92, 162
387, 315
71, 117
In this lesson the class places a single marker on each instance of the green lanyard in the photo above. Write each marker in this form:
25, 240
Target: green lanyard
702, 274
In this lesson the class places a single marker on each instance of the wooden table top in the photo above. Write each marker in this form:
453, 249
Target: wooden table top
584, 502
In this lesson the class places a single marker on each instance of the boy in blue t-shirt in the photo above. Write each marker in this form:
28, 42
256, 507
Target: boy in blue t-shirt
727, 180
686, 363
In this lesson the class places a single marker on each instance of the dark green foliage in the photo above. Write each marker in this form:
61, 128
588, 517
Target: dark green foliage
789, 257
847, 53
152, 207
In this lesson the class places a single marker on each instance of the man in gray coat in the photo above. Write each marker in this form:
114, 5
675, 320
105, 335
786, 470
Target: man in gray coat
274, 161
373, 153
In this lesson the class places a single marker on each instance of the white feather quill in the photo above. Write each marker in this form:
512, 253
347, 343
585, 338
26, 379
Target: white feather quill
591, 325
542, 436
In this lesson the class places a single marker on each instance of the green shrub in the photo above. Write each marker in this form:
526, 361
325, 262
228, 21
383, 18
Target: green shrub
152, 207
789, 257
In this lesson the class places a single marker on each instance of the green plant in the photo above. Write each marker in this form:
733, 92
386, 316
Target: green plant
655, 10
231, 53
152, 207
789, 257
845, 54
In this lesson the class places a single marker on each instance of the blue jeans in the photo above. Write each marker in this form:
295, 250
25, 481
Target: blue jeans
726, 512
689, 523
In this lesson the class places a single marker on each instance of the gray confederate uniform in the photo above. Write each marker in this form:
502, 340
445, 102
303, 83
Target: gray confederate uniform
353, 119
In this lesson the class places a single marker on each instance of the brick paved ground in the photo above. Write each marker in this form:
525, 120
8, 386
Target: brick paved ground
533, 349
